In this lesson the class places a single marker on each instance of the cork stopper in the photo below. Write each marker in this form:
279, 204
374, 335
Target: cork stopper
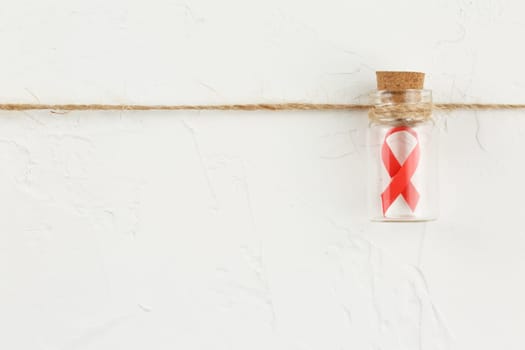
398, 81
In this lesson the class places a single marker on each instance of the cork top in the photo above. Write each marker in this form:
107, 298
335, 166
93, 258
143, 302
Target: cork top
398, 81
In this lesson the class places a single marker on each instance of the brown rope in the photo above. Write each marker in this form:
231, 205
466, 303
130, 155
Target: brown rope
243, 107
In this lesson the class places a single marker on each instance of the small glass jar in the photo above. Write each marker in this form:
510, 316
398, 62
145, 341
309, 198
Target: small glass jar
402, 156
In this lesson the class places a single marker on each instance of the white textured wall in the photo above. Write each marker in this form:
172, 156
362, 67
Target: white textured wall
223, 230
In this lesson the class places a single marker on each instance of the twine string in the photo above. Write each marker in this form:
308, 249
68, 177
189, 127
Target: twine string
245, 107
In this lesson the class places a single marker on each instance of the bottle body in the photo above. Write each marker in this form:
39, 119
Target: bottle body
402, 157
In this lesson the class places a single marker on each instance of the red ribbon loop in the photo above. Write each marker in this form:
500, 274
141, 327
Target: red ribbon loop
400, 174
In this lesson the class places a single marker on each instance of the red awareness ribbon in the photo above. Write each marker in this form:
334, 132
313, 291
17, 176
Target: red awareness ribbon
400, 174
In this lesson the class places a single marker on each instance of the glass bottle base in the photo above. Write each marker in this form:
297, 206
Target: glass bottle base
402, 219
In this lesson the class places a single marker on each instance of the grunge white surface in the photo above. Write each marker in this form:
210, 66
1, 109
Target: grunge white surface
249, 230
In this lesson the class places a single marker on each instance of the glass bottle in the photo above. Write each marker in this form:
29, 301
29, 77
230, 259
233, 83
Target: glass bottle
402, 150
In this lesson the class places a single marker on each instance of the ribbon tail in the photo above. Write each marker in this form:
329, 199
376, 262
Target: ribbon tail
411, 196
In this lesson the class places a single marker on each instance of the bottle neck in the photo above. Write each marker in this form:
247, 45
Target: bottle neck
404, 107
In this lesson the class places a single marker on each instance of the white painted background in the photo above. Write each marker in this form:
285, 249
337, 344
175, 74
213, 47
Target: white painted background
223, 230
